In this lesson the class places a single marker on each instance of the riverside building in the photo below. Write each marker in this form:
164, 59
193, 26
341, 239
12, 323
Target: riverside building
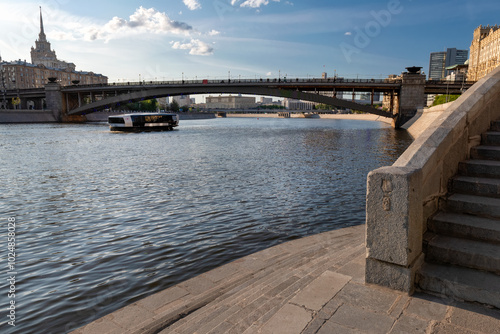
484, 52
44, 64
230, 102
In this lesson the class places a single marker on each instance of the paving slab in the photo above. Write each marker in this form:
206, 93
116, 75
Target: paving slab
443, 328
289, 319
313, 285
368, 297
476, 318
427, 307
321, 290
410, 325
360, 319
330, 327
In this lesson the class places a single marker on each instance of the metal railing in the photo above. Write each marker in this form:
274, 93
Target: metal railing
262, 81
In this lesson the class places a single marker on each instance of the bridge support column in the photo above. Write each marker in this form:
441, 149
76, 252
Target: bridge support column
412, 95
24, 104
54, 98
56, 101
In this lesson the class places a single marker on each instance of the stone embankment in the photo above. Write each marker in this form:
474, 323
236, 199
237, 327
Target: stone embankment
310, 285
46, 116
360, 117
403, 198
27, 116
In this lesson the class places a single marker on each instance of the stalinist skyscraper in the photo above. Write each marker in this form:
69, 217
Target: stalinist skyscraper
42, 54
44, 64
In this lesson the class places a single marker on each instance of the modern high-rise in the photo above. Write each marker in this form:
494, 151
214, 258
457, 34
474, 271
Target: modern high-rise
439, 61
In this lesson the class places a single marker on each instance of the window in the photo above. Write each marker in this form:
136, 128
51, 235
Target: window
116, 120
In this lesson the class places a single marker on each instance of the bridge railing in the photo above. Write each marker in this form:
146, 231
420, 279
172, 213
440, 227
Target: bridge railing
449, 82
284, 80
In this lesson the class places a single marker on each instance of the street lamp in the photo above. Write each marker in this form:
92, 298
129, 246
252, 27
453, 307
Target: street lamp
17, 90
4, 103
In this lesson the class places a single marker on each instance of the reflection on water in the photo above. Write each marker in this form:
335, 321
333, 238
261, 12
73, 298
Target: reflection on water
105, 219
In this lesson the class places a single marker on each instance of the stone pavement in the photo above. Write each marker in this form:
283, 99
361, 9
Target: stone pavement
310, 285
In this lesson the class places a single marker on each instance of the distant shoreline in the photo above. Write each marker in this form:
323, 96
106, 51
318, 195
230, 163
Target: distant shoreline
361, 117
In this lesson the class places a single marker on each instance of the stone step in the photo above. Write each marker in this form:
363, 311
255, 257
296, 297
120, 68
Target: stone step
475, 205
475, 186
460, 283
491, 138
486, 152
462, 252
465, 226
495, 126
480, 168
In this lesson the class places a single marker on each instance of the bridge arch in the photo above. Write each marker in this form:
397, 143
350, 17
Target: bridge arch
156, 91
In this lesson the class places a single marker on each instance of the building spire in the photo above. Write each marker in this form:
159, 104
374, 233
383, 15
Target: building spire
42, 36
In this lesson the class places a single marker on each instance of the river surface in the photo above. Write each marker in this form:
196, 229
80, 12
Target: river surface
104, 219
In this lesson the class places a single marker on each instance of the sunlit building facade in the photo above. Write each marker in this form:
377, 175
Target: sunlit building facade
230, 102
484, 52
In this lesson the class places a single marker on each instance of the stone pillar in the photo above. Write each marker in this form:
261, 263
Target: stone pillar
394, 227
24, 104
54, 100
412, 95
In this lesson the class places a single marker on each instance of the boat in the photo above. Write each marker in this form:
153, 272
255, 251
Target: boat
143, 122
310, 115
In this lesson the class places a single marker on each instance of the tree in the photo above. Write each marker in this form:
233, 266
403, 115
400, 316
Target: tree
149, 105
174, 106
441, 99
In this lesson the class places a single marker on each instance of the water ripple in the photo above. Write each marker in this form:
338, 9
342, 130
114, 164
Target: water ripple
104, 219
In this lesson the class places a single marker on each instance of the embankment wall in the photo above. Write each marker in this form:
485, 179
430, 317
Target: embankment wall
27, 116
400, 198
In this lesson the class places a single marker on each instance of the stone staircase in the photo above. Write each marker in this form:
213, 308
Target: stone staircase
462, 245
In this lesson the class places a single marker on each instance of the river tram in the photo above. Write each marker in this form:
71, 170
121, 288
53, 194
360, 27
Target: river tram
143, 122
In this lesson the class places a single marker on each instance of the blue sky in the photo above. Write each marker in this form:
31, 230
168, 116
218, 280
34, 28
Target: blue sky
151, 39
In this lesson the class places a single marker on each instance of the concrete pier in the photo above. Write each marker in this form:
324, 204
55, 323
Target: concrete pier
310, 285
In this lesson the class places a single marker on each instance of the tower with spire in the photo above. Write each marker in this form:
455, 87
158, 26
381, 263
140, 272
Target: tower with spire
20, 74
41, 36
41, 54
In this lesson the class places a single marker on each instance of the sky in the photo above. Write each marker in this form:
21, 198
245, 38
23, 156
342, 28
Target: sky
131, 40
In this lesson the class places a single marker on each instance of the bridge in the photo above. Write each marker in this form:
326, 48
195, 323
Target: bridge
402, 95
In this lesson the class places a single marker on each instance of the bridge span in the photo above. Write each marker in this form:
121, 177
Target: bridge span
402, 96
82, 100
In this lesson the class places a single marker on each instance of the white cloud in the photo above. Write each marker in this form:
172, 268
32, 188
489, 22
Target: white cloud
213, 33
195, 47
192, 4
348, 33
253, 3
144, 20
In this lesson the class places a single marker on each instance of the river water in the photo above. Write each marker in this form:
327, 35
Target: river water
104, 219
